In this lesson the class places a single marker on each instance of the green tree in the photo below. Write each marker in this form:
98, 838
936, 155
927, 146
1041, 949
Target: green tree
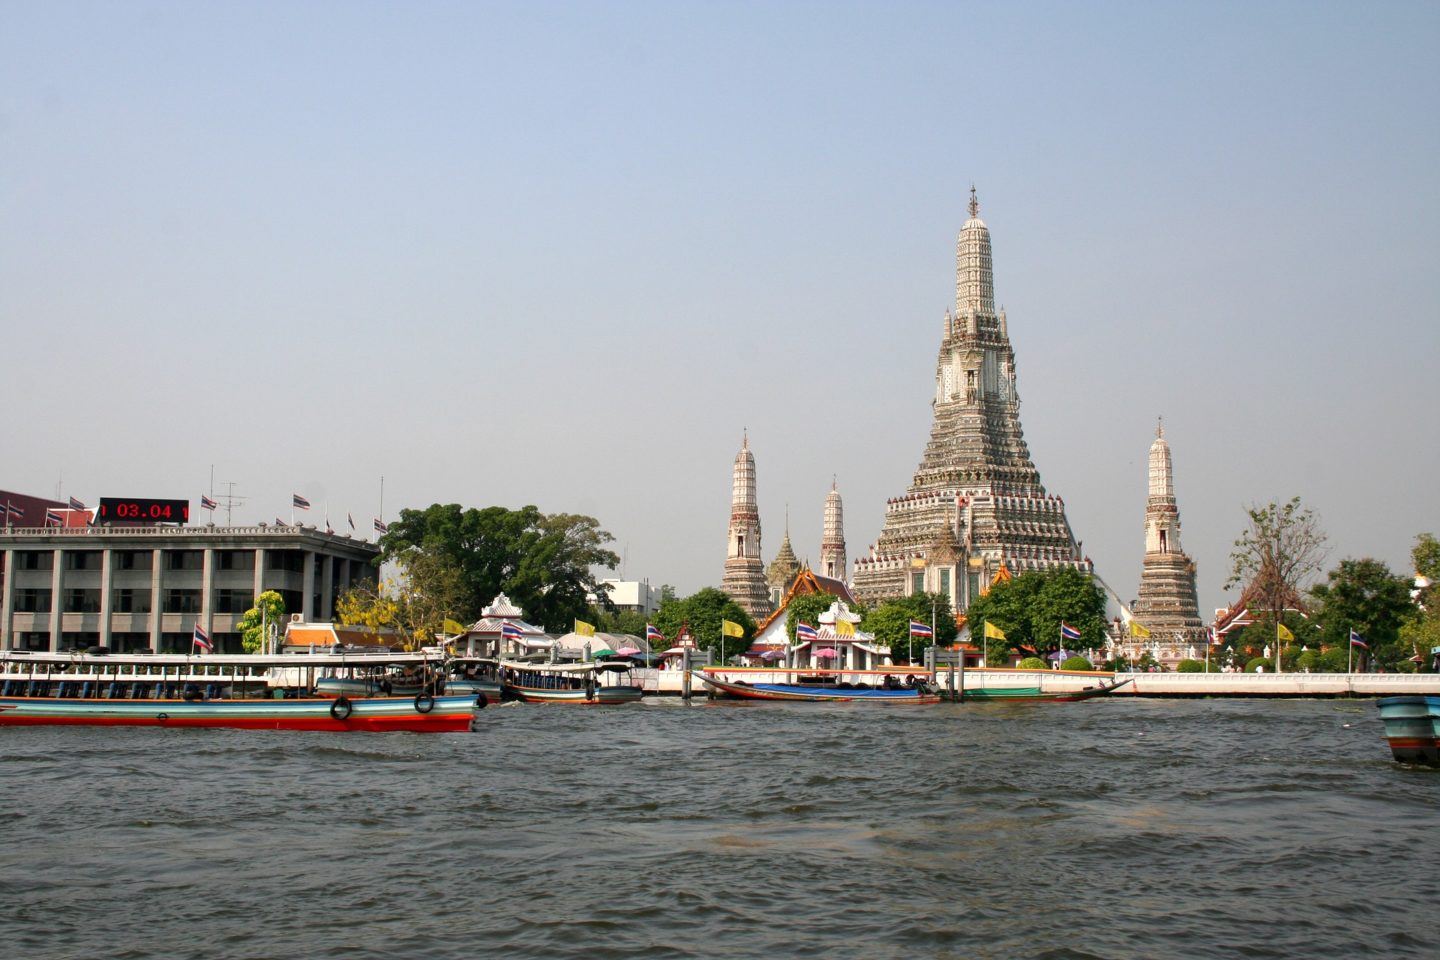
1364, 596
1030, 608
1420, 633
703, 611
269, 608
890, 622
545, 564
1281, 547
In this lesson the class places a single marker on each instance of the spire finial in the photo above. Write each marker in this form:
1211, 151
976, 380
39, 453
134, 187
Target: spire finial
745, 438
974, 204
1160, 428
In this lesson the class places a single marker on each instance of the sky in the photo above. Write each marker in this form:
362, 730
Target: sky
566, 254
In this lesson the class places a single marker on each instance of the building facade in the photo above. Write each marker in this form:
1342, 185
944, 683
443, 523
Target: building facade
744, 578
976, 503
134, 588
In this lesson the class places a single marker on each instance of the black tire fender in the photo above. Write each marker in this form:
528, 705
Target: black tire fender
481, 701
424, 703
342, 708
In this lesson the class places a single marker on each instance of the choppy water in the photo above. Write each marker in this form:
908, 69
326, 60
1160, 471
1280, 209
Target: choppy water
1134, 828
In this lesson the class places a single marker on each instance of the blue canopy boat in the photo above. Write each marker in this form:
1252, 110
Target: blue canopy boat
1412, 727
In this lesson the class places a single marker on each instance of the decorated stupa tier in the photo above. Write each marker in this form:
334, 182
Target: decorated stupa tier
976, 493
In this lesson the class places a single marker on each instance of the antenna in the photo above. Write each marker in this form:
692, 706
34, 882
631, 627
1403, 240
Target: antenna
229, 499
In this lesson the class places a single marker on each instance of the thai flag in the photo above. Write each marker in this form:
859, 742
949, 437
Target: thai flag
381, 527
13, 510
202, 639
1358, 641
206, 503
299, 502
1068, 632
280, 523
918, 629
351, 518
804, 632
53, 517
508, 631
652, 632
76, 504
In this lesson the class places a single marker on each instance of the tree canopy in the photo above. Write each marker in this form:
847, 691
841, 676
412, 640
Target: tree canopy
545, 564
890, 622
1364, 596
269, 608
1029, 609
703, 611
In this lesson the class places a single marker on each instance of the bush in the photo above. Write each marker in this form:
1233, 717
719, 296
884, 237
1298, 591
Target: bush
1335, 660
1077, 663
1190, 666
1310, 660
1254, 665
1031, 663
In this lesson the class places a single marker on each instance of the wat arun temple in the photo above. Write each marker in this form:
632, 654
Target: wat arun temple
976, 509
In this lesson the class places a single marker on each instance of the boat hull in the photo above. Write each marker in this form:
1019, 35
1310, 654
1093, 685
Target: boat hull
602, 696
1036, 695
797, 692
438, 714
1412, 728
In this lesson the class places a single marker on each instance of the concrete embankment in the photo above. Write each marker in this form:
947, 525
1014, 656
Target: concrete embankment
667, 682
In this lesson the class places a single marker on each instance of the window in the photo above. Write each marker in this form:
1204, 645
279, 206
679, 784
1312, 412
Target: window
130, 601
82, 560
235, 559
34, 560
917, 583
232, 601
185, 560
181, 601
133, 559
32, 600
945, 582
82, 601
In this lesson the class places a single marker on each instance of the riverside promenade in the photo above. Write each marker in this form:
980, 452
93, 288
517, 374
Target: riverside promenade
1272, 685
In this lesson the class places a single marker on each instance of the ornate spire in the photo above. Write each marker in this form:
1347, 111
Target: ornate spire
744, 575
974, 204
974, 271
833, 562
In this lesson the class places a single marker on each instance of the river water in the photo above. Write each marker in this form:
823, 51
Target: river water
1120, 828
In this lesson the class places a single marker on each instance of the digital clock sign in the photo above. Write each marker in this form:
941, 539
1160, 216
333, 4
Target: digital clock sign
142, 510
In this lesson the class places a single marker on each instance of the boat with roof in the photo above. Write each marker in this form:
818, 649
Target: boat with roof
248, 691
589, 682
1412, 728
820, 686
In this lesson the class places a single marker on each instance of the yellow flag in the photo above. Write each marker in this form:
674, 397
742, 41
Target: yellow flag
584, 629
844, 628
451, 627
1138, 630
993, 632
1282, 632
731, 629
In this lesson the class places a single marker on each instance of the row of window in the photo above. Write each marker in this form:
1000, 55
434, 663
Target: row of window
290, 560
39, 600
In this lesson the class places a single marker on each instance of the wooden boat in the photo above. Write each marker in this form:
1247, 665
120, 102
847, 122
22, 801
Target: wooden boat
477, 676
392, 681
920, 693
588, 682
1412, 728
248, 691
1037, 695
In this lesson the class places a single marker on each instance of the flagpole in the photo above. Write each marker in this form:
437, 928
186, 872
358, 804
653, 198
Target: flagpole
1350, 650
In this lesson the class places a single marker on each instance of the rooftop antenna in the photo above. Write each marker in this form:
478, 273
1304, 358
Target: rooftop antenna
229, 499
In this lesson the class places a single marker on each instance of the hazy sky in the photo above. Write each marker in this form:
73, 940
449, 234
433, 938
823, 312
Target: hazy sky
563, 254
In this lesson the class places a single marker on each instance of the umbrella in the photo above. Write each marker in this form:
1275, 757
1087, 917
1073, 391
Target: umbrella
827, 652
627, 651
603, 652
772, 655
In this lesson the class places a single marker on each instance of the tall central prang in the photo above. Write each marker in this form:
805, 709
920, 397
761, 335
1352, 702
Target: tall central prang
976, 503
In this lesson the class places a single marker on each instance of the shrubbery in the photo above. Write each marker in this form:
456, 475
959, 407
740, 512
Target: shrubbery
1031, 663
1077, 663
1190, 666
1254, 665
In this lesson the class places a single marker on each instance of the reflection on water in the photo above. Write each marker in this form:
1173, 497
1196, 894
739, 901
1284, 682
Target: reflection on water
1127, 828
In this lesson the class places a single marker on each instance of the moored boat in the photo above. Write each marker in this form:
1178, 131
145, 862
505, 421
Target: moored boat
919, 693
1412, 728
248, 691
603, 683
1039, 695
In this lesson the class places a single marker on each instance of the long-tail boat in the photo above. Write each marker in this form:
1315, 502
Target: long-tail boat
1038, 694
249, 691
822, 688
591, 683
